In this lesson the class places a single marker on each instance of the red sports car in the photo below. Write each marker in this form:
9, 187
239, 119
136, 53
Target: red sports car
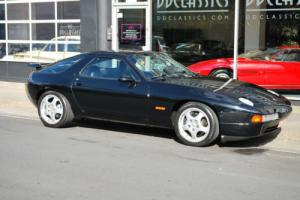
277, 69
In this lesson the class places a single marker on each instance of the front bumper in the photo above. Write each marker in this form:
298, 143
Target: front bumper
247, 130
269, 128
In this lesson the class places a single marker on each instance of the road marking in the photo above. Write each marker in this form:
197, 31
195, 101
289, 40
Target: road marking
18, 117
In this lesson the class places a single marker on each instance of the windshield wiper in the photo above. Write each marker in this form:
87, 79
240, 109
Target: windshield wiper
183, 72
160, 77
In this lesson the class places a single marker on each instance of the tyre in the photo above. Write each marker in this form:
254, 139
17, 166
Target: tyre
196, 124
55, 110
222, 73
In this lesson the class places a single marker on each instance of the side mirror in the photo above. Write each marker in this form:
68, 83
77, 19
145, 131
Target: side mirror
127, 79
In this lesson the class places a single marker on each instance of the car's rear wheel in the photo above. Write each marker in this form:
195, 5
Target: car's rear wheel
196, 124
222, 73
55, 110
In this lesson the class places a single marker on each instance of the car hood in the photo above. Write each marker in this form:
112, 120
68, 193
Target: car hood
232, 88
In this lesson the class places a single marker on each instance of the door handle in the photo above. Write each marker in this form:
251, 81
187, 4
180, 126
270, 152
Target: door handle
77, 82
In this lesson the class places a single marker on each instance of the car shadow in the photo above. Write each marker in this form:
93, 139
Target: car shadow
126, 128
254, 142
240, 146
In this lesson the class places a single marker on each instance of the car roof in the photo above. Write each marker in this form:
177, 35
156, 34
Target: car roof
121, 53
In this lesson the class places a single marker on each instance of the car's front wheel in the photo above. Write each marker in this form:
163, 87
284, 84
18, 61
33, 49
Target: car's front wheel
196, 124
55, 110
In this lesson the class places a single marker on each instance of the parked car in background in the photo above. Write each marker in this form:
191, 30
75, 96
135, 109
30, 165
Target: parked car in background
159, 44
277, 69
68, 46
194, 51
153, 89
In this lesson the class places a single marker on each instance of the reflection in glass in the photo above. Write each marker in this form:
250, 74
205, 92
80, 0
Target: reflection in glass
68, 29
18, 31
43, 31
18, 11
2, 50
2, 12
43, 47
68, 10
42, 11
17, 52
69, 47
43, 53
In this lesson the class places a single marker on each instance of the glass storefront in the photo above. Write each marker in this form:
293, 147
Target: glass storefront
40, 30
192, 31
188, 30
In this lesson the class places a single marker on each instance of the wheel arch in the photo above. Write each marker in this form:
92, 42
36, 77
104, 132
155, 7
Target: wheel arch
221, 68
178, 104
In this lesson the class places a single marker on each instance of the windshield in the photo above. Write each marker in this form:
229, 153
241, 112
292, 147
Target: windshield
154, 65
274, 54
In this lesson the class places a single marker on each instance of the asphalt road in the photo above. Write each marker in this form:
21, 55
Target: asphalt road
101, 160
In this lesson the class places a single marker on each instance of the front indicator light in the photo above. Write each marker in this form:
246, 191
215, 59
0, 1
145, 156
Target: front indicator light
264, 118
257, 119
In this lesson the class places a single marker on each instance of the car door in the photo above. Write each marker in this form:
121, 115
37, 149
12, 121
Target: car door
251, 71
281, 73
109, 88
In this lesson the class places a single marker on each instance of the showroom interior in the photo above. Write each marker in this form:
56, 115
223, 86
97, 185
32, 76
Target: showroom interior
44, 31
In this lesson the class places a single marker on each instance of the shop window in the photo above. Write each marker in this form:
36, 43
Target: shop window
18, 31
193, 32
43, 31
69, 29
18, 11
2, 50
17, 52
68, 10
43, 37
42, 11
2, 12
2, 31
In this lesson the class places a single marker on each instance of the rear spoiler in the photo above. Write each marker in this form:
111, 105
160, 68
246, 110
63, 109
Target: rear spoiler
36, 66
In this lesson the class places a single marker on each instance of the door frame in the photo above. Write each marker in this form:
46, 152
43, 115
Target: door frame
132, 4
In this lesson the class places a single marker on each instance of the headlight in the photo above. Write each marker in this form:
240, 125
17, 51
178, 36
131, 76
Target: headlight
246, 101
272, 92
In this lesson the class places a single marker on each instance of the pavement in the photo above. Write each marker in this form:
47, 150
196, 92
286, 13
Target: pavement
14, 102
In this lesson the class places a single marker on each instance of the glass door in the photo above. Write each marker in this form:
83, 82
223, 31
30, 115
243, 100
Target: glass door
131, 29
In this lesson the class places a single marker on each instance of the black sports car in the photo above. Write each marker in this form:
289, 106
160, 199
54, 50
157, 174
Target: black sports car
154, 90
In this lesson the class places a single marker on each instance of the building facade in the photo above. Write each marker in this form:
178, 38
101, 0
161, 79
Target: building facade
188, 30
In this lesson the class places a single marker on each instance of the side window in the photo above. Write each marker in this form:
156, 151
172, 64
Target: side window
49, 47
111, 68
62, 65
280, 56
293, 56
73, 48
